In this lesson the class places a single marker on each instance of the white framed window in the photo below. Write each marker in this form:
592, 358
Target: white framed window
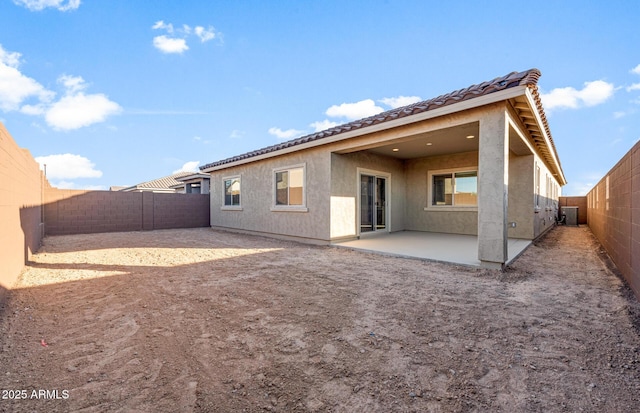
231, 193
453, 188
289, 189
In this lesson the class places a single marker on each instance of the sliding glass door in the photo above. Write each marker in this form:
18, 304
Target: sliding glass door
373, 203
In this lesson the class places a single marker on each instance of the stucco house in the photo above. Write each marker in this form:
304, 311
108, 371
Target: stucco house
194, 183
479, 161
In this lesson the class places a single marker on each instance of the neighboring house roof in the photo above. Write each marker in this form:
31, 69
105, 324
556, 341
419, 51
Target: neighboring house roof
163, 184
527, 79
193, 176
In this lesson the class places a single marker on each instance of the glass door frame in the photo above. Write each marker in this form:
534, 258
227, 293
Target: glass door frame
387, 192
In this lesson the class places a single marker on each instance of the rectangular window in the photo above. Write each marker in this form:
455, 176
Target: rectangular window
454, 189
289, 189
232, 191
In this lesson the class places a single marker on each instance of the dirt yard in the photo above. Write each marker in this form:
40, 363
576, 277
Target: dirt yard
203, 321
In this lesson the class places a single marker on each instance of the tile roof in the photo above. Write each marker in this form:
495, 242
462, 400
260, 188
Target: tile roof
165, 182
527, 78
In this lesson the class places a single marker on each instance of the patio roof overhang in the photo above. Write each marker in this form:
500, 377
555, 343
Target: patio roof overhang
523, 102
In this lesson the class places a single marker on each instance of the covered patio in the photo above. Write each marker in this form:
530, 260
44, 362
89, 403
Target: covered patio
450, 248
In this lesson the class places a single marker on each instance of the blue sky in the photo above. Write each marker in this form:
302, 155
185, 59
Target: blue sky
119, 92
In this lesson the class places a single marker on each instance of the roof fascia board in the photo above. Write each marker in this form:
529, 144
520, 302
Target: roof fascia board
516, 123
429, 114
547, 141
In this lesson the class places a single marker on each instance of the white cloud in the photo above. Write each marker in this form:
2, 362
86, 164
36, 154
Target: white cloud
38, 5
285, 134
636, 70
169, 44
73, 185
11, 59
353, 111
68, 166
15, 87
74, 110
205, 34
236, 134
635, 86
77, 109
160, 24
618, 115
191, 166
177, 41
323, 125
400, 101
592, 94
72, 84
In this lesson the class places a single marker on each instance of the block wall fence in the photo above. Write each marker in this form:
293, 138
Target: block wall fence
613, 209
83, 212
21, 197
30, 209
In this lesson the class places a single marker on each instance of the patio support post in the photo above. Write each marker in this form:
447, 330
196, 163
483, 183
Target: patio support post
493, 188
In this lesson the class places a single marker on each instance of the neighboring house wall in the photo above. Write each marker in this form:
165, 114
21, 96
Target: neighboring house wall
613, 214
257, 198
80, 212
21, 185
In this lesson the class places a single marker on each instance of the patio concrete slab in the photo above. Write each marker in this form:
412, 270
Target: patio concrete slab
452, 248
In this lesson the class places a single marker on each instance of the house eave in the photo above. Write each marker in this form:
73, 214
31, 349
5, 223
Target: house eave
495, 97
551, 155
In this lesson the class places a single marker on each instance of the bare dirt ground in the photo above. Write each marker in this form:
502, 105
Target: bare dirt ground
204, 321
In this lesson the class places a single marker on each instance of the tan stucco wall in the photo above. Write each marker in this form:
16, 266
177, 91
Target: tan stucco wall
545, 215
344, 190
520, 208
257, 186
437, 220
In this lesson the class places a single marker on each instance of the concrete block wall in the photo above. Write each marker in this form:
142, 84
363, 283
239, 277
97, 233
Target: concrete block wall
21, 184
180, 211
576, 201
83, 212
613, 214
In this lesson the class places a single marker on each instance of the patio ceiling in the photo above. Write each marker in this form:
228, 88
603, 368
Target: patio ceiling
457, 139
439, 142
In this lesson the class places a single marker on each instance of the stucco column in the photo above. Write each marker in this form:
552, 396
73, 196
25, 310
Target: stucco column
493, 188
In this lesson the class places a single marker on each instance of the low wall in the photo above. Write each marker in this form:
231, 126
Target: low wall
21, 184
576, 201
614, 215
83, 212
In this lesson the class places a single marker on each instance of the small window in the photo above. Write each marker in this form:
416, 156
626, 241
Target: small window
454, 189
232, 191
289, 189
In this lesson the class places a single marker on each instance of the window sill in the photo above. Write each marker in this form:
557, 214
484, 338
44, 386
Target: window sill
231, 208
283, 208
452, 208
